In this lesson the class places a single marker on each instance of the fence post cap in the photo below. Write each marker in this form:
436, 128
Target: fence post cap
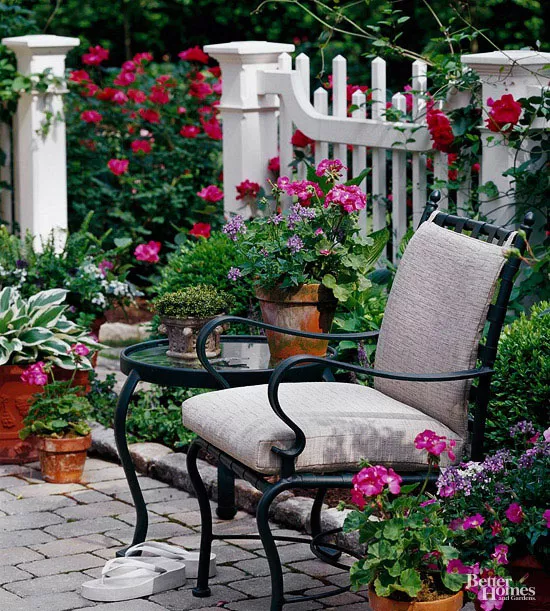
41, 44
248, 47
524, 57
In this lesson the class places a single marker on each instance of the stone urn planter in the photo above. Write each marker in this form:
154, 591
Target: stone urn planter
449, 603
62, 460
310, 307
182, 337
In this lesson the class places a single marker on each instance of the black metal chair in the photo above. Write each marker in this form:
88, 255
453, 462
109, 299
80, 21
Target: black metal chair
454, 280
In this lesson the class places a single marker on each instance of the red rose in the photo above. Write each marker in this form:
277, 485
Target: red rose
300, 140
211, 194
91, 116
95, 56
119, 97
200, 230
79, 76
247, 188
143, 57
159, 95
505, 111
200, 90
140, 146
129, 66
106, 94
212, 128
274, 165
194, 54
190, 131
148, 252
215, 71
89, 90
124, 79
440, 130
118, 166
136, 96
150, 115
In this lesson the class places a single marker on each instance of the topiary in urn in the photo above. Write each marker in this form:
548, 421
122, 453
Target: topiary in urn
184, 313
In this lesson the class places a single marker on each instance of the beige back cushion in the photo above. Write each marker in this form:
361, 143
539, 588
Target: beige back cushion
434, 319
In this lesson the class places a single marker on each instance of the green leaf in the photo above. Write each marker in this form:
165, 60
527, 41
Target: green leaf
5, 298
48, 298
359, 178
453, 581
329, 281
123, 242
33, 337
47, 316
411, 582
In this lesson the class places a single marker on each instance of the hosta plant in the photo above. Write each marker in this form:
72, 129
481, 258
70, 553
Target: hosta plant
410, 553
36, 329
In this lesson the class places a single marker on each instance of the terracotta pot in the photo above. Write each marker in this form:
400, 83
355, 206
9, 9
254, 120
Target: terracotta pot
310, 307
62, 460
15, 400
451, 603
182, 337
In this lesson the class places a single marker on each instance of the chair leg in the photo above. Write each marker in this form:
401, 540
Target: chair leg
201, 590
270, 547
325, 553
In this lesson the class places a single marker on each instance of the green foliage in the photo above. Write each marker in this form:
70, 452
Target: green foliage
155, 415
521, 383
201, 301
95, 278
58, 411
207, 262
156, 197
37, 329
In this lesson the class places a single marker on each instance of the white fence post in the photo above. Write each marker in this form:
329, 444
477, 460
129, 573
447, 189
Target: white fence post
249, 119
522, 74
40, 155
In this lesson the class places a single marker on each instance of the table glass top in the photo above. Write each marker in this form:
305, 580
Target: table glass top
234, 355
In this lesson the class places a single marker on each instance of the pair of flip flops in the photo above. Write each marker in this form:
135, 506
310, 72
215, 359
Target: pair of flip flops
146, 568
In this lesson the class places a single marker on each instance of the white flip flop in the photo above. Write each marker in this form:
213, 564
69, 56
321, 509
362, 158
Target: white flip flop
128, 578
172, 552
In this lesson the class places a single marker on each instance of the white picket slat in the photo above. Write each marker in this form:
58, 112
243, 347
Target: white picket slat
441, 172
359, 154
379, 189
419, 179
399, 185
302, 67
320, 102
339, 103
285, 130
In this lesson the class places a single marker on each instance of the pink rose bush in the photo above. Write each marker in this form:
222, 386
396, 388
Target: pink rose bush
148, 253
309, 232
151, 133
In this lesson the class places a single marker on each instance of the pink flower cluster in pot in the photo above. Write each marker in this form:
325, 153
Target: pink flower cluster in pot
371, 481
35, 374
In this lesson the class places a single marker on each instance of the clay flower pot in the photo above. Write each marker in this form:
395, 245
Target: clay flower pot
62, 460
451, 603
310, 307
182, 337
15, 400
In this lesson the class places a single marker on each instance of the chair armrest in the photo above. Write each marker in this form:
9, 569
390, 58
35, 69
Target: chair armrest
220, 320
282, 368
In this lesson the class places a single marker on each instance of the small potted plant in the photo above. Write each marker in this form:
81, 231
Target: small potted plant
58, 420
500, 512
183, 314
32, 331
411, 562
308, 258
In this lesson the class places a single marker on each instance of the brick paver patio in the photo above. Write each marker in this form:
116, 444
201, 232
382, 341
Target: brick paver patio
55, 537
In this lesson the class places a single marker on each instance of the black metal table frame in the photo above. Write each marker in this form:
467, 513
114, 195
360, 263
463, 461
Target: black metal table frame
138, 371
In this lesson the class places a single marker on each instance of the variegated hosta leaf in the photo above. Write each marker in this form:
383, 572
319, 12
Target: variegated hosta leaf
5, 318
55, 346
47, 316
51, 297
66, 326
65, 361
34, 337
6, 298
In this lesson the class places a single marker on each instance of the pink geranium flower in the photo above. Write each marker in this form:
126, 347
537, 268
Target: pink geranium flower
118, 166
80, 350
194, 54
148, 253
190, 131
330, 167
357, 498
212, 193
35, 375
515, 513
350, 198
91, 116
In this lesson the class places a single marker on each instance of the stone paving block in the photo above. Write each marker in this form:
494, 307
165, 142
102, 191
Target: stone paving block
22, 538
97, 463
60, 601
227, 575
129, 605
9, 574
9, 481
256, 567
183, 599
144, 453
175, 506
6, 497
95, 510
130, 518
36, 490
155, 495
7, 599
103, 475
356, 607
33, 505
231, 553
163, 530
340, 600
17, 555
83, 527
47, 585
292, 553
13, 469
88, 497
193, 518
62, 564
74, 545
262, 604
34, 520
148, 483
293, 582
315, 568
103, 442
32, 476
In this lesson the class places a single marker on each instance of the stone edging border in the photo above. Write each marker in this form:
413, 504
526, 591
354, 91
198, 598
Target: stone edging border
162, 463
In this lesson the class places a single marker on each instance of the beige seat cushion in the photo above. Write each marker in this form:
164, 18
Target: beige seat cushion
343, 423
434, 318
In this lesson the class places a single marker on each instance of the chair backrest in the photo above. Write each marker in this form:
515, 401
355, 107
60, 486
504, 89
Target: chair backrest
442, 296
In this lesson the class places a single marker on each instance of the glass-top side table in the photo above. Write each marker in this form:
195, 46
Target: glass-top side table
244, 361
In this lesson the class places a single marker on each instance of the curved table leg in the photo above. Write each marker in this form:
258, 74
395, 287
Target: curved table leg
140, 531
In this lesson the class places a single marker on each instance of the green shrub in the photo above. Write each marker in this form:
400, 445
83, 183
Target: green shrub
208, 262
521, 383
155, 415
201, 301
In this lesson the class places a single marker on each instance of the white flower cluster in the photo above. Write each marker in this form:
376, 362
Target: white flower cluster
18, 276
